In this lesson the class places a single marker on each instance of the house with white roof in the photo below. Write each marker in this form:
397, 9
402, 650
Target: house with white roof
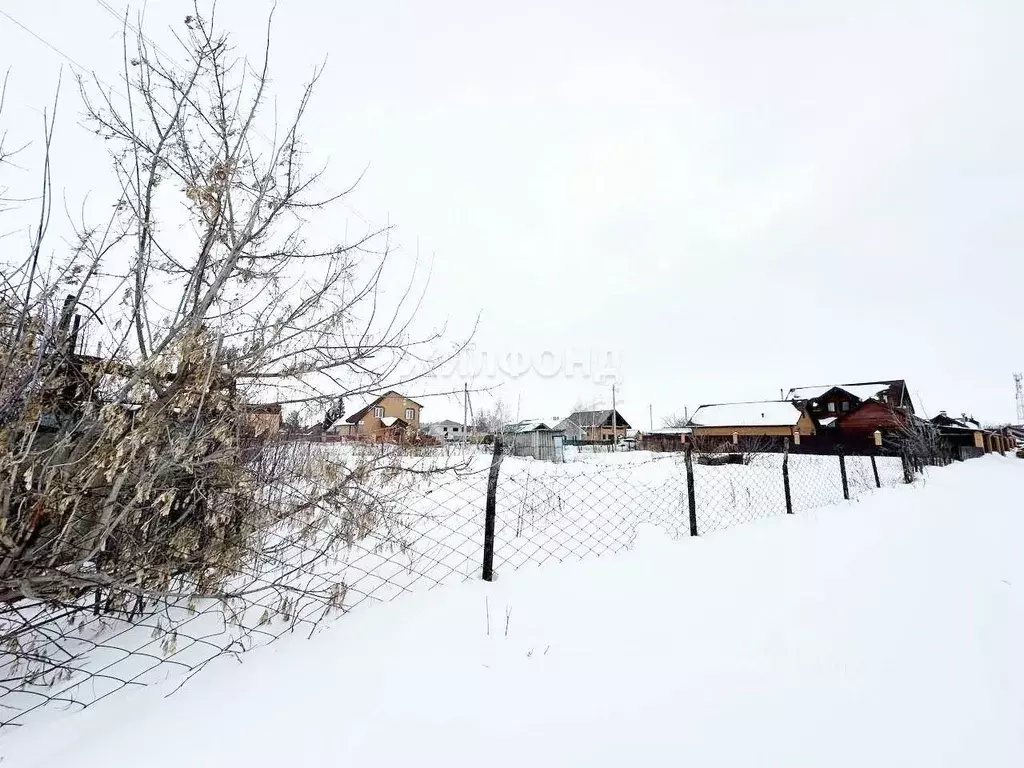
763, 418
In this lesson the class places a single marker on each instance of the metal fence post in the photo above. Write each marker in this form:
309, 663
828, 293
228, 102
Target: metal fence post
785, 477
874, 468
691, 496
490, 511
842, 474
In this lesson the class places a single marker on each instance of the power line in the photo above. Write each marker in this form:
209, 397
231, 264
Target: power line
57, 50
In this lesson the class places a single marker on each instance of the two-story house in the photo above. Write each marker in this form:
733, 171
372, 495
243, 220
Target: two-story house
856, 411
828, 402
595, 426
392, 416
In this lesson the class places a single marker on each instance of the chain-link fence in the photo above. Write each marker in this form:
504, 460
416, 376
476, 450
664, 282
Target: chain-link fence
439, 517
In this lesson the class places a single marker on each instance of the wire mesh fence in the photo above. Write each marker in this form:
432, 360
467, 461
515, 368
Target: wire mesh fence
437, 520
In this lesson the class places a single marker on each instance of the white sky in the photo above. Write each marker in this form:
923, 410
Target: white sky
729, 198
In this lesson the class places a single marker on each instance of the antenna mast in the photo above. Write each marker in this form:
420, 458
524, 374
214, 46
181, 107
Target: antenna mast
1018, 381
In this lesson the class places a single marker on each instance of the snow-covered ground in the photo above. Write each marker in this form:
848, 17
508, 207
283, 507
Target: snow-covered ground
884, 631
546, 513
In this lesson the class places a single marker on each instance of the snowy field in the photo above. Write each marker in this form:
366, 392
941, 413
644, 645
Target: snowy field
591, 506
886, 631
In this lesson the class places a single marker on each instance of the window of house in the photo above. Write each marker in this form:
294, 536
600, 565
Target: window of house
846, 405
455, 429
410, 414
831, 407
378, 411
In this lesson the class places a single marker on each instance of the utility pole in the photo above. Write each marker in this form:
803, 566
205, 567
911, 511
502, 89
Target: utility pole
465, 411
614, 420
650, 411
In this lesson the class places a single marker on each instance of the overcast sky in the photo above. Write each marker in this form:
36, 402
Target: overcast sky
717, 200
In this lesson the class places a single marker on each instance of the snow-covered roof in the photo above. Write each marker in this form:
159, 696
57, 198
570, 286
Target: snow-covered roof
828, 422
590, 419
948, 422
769, 413
390, 421
670, 431
860, 391
526, 425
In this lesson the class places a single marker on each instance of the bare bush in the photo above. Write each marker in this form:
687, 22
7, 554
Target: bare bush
135, 478
716, 448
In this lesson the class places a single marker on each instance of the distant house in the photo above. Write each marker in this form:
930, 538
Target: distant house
265, 417
594, 426
391, 417
852, 413
768, 418
1014, 433
967, 434
964, 422
665, 439
833, 400
446, 430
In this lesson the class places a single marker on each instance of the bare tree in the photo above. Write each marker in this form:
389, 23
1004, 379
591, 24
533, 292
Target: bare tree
136, 477
491, 420
674, 421
916, 439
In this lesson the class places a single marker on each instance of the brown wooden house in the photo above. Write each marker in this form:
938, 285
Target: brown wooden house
869, 416
831, 401
594, 426
850, 414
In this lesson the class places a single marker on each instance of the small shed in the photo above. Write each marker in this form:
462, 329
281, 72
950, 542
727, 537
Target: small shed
534, 438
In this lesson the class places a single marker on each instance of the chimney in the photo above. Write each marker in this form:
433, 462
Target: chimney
942, 413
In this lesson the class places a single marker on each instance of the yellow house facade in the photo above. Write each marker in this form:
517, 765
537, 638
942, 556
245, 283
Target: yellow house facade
390, 416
